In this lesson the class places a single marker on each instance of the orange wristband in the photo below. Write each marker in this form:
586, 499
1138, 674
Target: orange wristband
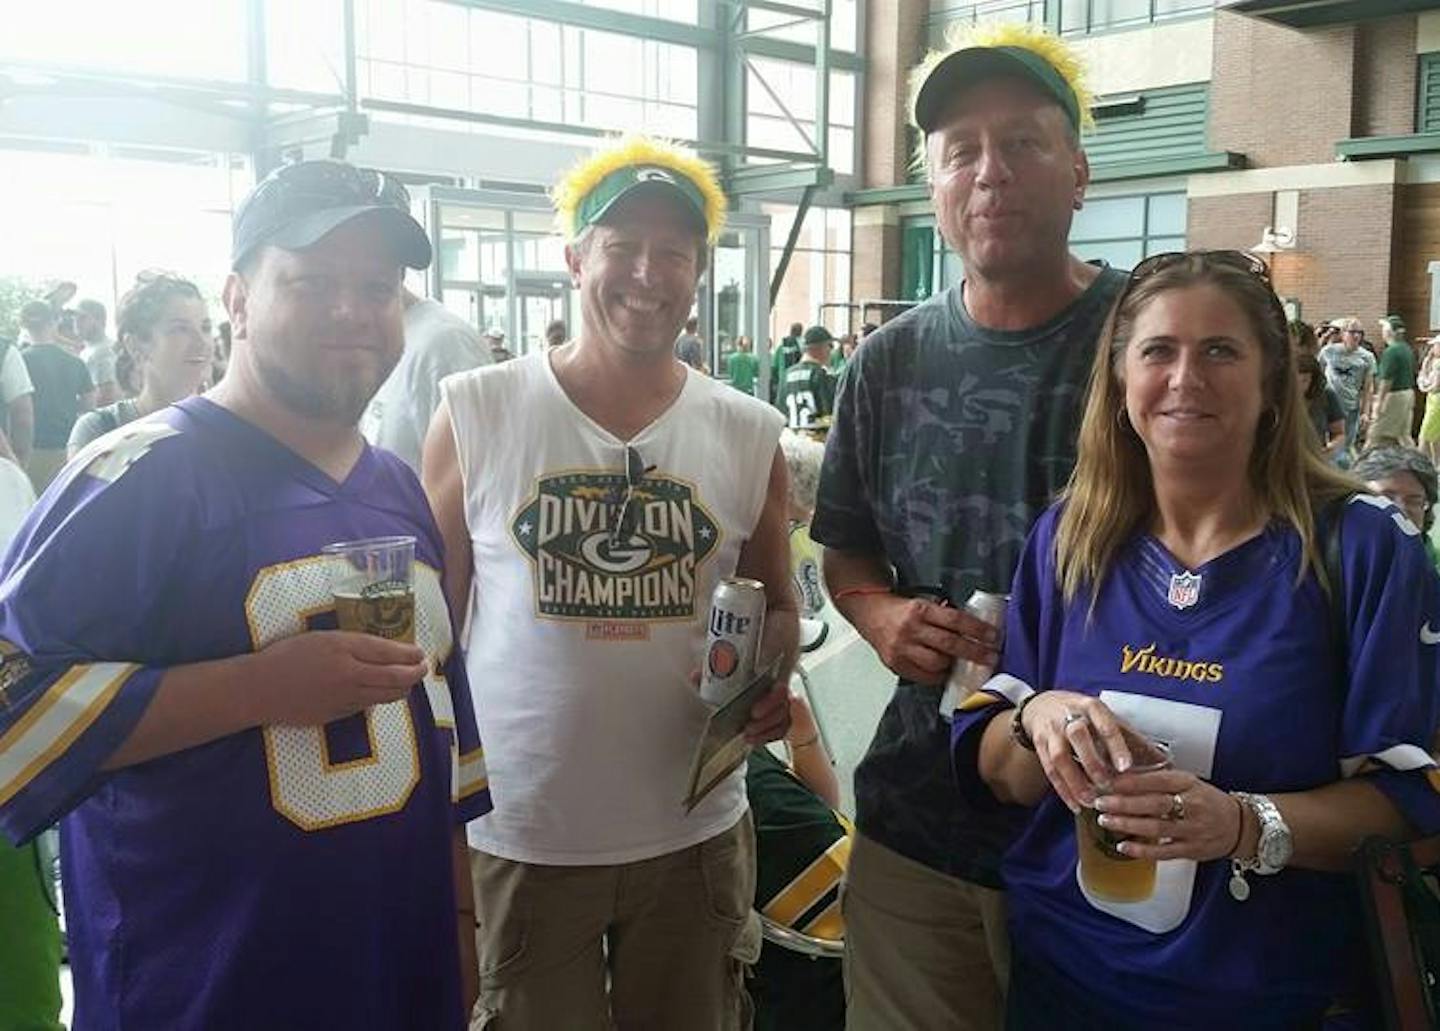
862, 589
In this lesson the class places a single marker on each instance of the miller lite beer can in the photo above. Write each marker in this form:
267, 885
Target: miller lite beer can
732, 645
967, 677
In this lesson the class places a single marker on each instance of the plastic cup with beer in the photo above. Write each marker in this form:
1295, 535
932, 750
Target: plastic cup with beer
1106, 872
372, 582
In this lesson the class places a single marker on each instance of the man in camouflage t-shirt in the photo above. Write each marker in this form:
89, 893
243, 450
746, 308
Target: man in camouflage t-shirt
955, 426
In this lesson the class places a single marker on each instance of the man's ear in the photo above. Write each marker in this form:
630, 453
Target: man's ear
1082, 177
236, 297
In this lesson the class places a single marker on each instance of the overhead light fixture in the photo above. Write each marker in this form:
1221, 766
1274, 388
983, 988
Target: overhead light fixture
1273, 240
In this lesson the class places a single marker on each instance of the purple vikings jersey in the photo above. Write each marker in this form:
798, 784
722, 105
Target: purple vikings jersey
284, 877
1237, 668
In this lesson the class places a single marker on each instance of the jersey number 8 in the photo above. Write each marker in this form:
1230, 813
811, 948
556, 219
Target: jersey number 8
305, 786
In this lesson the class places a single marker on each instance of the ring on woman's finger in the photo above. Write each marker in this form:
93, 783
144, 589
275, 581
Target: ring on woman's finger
1073, 717
1177, 808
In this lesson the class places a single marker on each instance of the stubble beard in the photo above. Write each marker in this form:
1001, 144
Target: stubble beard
329, 400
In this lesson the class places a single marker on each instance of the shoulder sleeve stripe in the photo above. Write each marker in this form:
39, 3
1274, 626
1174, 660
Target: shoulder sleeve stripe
1000, 688
1397, 757
810, 885
61, 715
473, 776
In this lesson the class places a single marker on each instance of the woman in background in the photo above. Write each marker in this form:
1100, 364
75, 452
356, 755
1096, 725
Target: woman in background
164, 333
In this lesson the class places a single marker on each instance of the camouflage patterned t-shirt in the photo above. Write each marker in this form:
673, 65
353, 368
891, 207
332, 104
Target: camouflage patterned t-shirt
949, 441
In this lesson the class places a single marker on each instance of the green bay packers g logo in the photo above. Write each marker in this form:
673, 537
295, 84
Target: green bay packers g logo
582, 572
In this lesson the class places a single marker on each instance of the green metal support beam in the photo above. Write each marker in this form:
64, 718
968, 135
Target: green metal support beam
1364, 147
777, 178
785, 255
582, 16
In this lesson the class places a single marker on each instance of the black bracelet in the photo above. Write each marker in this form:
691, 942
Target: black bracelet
1239, 834
1017, 728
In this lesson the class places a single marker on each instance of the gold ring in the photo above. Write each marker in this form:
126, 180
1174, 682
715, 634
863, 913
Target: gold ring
1177, 808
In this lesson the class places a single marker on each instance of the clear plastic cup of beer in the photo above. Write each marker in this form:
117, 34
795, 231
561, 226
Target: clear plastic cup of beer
1106, 872
373, 584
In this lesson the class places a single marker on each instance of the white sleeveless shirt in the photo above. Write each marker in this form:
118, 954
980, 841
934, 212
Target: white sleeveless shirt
579, 654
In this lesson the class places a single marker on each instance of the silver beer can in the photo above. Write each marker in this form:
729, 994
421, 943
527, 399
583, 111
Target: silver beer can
967, 677
732, 644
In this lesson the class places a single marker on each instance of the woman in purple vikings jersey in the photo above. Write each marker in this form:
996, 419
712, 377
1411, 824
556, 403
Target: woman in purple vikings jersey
1179, 591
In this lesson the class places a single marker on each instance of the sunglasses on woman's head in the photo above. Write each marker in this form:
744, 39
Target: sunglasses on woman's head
1241, 261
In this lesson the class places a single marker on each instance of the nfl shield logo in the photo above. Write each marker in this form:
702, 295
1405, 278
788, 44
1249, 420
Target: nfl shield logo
1184, 590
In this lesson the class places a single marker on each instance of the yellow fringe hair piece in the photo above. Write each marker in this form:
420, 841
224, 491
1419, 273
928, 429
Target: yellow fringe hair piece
1044, 44
577, 183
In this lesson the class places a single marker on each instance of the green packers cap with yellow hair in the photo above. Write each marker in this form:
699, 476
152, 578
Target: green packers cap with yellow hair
593, 187
991, 51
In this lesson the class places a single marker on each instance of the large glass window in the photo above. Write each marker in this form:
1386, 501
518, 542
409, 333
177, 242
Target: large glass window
1122, 230
145, 37
671, 10
819, 269
1117, 230
1073, 16
766, 124
467, 59
98, 220
844, 25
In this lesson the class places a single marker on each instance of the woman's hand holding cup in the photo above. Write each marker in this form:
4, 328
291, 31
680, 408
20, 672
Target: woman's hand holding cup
1081, 744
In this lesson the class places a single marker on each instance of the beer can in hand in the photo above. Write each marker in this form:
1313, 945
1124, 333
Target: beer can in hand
732, 645
967, 677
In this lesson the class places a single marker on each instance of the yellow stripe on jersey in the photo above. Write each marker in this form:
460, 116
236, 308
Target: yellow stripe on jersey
61, 715
473, 776
979, 700
829, 925
811, 885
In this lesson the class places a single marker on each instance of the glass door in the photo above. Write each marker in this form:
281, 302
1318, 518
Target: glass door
735, 301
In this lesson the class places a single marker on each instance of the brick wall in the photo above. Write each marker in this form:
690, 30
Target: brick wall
894, 43
1385, 75
1417, 244
1281, 96
1342, 264
1227, 223
875, 271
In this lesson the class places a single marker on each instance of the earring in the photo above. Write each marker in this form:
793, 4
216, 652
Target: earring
1122, 420
1274, 420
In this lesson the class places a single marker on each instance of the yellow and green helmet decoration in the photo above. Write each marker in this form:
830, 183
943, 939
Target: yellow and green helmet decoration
586, 193
976, 53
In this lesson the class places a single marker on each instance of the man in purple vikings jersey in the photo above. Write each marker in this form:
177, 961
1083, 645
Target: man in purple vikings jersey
1176, 593
264, 813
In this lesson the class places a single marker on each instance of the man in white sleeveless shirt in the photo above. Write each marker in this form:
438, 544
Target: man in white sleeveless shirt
591, 497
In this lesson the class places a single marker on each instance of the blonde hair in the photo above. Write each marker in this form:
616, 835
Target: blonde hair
619, 152
1111, 495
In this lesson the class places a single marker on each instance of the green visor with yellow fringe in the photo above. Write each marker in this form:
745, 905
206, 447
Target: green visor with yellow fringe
632, 179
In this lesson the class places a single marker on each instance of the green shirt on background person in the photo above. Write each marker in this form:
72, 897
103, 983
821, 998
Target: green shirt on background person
29, 941
807, 395
742, 367
1397, 365
786, 355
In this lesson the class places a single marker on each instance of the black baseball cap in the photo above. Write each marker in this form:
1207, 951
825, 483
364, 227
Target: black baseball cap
818, 335
296, 205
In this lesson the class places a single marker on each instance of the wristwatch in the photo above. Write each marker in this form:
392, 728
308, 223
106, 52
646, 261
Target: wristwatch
1272, 851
